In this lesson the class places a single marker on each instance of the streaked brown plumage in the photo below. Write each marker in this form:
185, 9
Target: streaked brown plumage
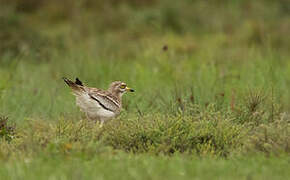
101, 105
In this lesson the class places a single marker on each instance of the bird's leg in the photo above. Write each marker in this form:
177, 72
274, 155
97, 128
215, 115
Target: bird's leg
88, 117
101, 123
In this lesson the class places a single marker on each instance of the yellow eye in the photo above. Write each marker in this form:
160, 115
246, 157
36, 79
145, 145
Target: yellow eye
123, 86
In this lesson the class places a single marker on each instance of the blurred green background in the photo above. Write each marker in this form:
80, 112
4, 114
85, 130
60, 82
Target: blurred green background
203, 51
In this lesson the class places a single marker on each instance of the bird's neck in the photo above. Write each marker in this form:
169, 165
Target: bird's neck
117, 95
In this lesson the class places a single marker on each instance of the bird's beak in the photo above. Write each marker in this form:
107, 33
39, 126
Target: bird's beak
129, 89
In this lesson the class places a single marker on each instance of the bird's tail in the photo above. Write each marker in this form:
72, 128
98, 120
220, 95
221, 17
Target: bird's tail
75, 86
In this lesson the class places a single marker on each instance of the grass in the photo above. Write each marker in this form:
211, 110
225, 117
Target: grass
212, 90
126, 166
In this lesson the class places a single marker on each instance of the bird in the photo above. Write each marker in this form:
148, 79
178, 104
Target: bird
99, 105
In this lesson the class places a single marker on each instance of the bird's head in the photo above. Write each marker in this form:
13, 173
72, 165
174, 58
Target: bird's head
119, 88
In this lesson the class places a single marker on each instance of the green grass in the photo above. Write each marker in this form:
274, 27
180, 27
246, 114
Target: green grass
128, 166
212, 87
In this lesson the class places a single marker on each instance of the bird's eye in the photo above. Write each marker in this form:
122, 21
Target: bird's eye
123, 86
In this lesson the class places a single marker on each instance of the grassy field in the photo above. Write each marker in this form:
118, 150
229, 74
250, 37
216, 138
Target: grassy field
128, 166
212, 84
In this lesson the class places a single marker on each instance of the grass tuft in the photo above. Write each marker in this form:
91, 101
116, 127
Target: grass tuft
7, 131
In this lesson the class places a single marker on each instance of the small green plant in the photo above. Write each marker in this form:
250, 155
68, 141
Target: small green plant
271, 138
254, 100
6, 130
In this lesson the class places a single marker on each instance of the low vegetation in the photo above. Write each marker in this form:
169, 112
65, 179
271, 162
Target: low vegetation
212, 84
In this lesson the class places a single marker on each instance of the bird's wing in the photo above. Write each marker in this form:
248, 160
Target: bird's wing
104, 99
